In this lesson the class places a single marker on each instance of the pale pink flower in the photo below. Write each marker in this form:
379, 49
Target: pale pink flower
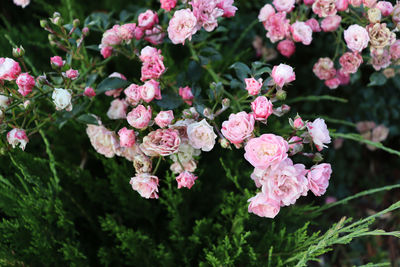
262, 108
127, 31
318, 178
265, 151
62, 99
395, 50
104, 141
111, 37
253, 86
148, 19
145, 184
286, 48
4, 102
301, 32
186, 94
182, 26
133, 94
369, 3
71, 74
333, 83
167, 5
283, 74
57, 61
115, 92
350, 62
9, 69
324, 8
155, 35
153, 65
324, 69
298, 122
227, 7
117, 109
189, 166
207, 13
185, 179
380, 60
238, 127
164, 118
22, 3
17, 137
355, 3
266, 12
161, 142
89, 92
331, 23
284, 5
201, 135
277, 26
150, 90
25, 84
342, 5
126, 137
319, 133
356, 38
343, 77
264, 206
385, 7
106, 51
309, 2
139, 117
314, 25
139, 32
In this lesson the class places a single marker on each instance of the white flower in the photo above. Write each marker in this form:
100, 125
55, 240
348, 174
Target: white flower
62, 99
201, 135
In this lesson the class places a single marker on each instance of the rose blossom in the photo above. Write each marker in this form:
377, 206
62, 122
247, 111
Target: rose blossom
284, 5
286, 48
318, 178
25, 84
380, 60
111, 37
155, 35
309, 2
350, 62
147, 19
395, 50
57, 61
283, 74
104, 141
22, 3
385, 7
139, 117
277, 26
266, 12
324, 69
324, 8
380, 36
9, 69
117, 109
127, 31
189, 166
185, 179
185, 152
343, 77
301, 32
201, 135
186, 94
71, 74
227, 7
17, 136
262, 108
133, 94
369, 3
355, 3
253, 86
314, 25
356, 38
89, 92
331, 23
150, 90
266, 150
295, 145
167, 5
238, 127
115, 92
164, 118
319, 133
4, 102
142, 163
106, 51
374, 15
207, 13
264, 206
286, 183
145, 184
161, 142
62, 99
182, 26
126, 137
333, 83
153, 65
342, 5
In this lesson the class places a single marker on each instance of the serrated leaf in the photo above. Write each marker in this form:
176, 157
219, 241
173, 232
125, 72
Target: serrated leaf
111, 84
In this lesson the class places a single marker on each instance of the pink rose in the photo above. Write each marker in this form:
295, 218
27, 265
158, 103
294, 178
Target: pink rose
262, 108
309, 2
284, 5
182, 26
301, 32
266, 12
155, 35
350, 62
286, 48
153, 65
266, 150
139, 32
369, 3
111, 37
227, 7
71, 74
319, 133
106, 51
356, 38
104, 141
22, 3
343, 77
283, 74
9, 69
186, 94
127, 31
324, 8
201, 135
385, 7
395, 50
342, 5
167, 5
277, 26
206, 13
57, 62
161, 142
355, 3
239, 127
264, 206
332, 83
185, 179
318, 178
145, 184
298, 123
324, 69
147, 19
133, 94
17, 137
117, 109
253, 86
380, 60
314, 25
126, 137
139, 117
25, 84
164, 118
150, 90
116, 92
331, 23
89, 92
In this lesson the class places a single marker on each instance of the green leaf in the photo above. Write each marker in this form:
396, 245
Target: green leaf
377, 79
242, 70
170, 101
87, 119
111, 84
